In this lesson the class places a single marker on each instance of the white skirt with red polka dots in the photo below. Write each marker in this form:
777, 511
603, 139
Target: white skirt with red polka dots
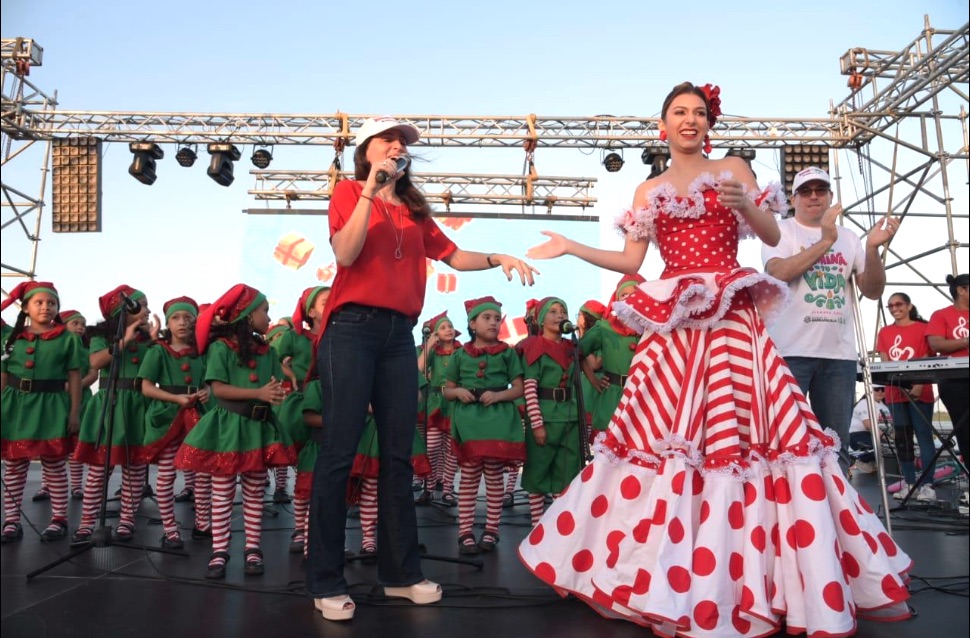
715, 505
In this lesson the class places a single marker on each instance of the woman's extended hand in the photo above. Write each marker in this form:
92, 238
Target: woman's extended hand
556, 246
508, 263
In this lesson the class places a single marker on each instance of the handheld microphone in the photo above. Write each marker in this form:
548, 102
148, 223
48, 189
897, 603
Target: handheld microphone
400, 163
566, 327
132, 307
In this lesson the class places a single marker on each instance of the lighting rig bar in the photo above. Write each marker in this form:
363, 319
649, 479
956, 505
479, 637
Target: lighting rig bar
436, 131
444, 188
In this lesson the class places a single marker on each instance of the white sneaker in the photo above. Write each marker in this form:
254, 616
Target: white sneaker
903, 491
926, 494
863, 467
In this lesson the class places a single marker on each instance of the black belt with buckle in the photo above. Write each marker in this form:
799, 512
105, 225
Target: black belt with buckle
478, 392
36, 385
248, 409
179, 389
616, 379
122, 383
559, 395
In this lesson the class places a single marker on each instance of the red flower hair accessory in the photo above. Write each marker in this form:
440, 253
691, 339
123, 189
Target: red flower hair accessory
713, 93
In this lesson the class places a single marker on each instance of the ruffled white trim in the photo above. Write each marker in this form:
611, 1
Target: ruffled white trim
640, 223
679, 447
769, 295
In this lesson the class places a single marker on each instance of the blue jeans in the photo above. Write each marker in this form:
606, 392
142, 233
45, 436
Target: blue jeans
366, 356
861, 444
908, 418
829, 385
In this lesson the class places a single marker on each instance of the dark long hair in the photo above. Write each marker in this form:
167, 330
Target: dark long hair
241, 333
913, 312
956, 282
107, 329
406, 191
681, 89
18, 328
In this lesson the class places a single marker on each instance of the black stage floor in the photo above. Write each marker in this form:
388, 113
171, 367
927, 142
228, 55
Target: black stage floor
114, 591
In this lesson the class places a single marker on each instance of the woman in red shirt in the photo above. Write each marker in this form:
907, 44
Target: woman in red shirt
911, 408
947, 334
382, 234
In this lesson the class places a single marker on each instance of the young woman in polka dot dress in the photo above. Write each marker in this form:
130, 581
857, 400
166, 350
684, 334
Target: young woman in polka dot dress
715, 504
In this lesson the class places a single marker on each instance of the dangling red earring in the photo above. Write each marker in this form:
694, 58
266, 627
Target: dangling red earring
707, 144
663, 136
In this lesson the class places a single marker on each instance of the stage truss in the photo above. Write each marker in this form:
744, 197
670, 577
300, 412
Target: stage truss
909, 106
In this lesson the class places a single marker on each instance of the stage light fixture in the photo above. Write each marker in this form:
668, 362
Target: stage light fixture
657, 158
261, 158
747, 154
797, 157
613, 162
143, 165
186, 156
220, 166
76, 187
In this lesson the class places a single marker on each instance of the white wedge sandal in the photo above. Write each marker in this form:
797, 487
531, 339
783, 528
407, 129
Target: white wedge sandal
335, 607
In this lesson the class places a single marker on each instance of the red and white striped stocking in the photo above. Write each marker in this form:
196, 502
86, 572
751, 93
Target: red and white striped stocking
471, 476
368, 513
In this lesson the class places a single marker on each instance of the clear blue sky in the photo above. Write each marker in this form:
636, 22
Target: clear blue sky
186, 235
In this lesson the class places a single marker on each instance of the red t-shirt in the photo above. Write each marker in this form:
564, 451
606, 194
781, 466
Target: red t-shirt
377, 278
950, 323
902, 343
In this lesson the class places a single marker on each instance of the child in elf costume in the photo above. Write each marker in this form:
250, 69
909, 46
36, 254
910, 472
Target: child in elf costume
239, 435
171, 379
126, 416
483, 380
553, 455
433, 361
295, 346
616, 344
75, 322
40, 404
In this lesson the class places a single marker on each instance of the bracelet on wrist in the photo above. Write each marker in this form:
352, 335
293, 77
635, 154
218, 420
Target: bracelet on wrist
488, 260
370, 199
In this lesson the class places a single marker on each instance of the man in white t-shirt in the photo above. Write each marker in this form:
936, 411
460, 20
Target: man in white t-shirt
861, 432
815, 332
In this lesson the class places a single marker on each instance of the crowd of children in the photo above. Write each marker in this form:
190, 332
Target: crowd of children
219, 393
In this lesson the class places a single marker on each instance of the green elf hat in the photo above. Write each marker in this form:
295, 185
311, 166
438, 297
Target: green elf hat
111, 303
178, 304
593, 308
627, 281
435, 322
475, 307
70, 315
277, 330
235, 305
541, 308
27, 289
303, 306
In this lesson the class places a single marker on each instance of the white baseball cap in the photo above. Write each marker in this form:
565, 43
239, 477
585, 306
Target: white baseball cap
810, 174
375, 125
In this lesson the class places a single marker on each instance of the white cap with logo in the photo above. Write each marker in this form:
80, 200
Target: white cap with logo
376, 125
810, 174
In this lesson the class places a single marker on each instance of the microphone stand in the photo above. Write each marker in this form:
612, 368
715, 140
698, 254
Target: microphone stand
577, 382
101, 537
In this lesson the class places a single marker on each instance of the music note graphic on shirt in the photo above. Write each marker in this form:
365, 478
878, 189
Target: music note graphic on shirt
960, 331
900, 354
